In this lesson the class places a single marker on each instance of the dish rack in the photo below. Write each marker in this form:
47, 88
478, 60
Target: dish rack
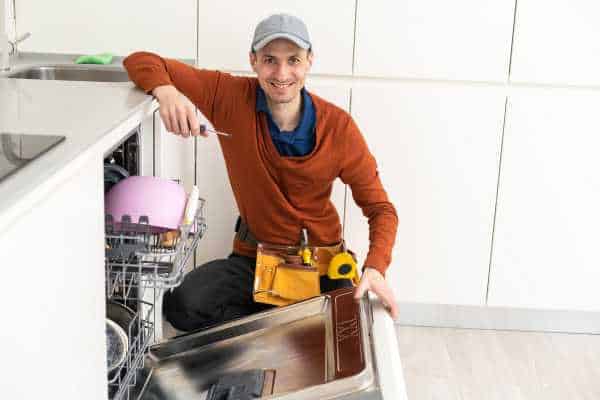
141, 262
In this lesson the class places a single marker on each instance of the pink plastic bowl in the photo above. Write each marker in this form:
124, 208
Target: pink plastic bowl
161, 200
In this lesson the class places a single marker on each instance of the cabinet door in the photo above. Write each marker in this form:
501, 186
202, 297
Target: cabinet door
461, 39
53, 299
437, 149
146, 143
173, 155
546, 232
557, 42
213, 183
225, 30
120, 27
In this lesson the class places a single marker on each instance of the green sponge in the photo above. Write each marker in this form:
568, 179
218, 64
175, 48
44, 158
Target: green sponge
104, 58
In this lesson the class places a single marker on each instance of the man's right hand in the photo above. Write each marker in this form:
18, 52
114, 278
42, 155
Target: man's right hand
176, 112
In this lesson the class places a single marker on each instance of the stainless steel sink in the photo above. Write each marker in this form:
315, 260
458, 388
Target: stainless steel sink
72, 73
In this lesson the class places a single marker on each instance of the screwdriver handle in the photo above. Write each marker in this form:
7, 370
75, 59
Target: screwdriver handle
203, 129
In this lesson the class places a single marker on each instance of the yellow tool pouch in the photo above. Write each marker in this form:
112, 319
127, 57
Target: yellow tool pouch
281, 278
296, 282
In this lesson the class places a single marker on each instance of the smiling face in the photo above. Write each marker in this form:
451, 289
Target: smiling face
281, 67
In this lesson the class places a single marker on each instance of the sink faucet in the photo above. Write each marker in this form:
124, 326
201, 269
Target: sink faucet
8, 47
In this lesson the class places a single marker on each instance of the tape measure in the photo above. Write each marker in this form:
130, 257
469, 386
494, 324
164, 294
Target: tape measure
342, 266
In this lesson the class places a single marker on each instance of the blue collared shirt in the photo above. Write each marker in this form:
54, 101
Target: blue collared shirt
301, 140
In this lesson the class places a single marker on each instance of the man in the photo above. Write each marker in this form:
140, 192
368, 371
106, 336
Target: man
287, 146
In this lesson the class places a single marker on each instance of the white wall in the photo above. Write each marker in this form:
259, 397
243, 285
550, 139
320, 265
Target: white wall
331, 29
438, 149
548, 216
118, 27
432, 39
558, 45
427, 81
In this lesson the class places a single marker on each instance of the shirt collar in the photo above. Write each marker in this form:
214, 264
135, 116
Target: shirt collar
305, 126
303, 130
261, 102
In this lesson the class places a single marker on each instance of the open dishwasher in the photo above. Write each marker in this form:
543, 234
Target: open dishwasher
141, 263
328, 347
139, 267
322, 348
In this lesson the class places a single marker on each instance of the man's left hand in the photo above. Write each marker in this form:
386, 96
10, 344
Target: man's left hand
373, 280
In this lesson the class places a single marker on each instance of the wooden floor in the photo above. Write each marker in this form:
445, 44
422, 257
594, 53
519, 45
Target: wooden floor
468, 364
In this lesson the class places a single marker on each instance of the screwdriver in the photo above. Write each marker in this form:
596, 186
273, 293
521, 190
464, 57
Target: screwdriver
203, 129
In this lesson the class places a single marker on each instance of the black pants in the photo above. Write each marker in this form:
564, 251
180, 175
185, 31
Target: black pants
219, 291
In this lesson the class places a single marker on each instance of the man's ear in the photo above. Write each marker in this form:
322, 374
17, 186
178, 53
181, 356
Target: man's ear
252, 58
309, 57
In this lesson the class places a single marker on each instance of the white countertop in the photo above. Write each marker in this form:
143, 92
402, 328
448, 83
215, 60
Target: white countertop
86, 113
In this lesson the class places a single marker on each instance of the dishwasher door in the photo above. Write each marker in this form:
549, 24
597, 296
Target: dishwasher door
323, 348
386, 352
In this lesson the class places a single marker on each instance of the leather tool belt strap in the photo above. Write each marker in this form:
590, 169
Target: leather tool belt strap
243, 233
321, 255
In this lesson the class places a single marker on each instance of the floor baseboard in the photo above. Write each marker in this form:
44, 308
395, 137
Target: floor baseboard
498, 318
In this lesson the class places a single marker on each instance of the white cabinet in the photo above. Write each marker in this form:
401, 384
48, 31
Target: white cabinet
147, 145
174, 158
214, 186
225, 30
546, 232
462, 39
334, 92
120, 27
173, 155
557, 42
53, 309
221, 210
437, 150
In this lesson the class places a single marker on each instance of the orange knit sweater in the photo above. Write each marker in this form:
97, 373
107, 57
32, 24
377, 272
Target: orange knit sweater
277, 196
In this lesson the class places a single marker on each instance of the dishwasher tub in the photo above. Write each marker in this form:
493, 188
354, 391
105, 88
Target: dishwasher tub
321, 348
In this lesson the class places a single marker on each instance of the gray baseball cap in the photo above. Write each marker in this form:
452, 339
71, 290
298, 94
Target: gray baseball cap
281, 26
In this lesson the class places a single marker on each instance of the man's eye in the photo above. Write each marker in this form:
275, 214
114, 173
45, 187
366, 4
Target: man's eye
294, 60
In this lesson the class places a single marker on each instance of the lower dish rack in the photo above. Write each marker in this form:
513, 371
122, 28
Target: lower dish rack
141, 262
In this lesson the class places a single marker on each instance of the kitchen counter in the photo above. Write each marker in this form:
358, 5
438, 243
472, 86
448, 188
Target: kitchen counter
86, 113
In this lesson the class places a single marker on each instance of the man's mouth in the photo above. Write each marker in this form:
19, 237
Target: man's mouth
280, 85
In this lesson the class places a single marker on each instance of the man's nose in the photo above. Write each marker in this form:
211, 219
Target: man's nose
281, 72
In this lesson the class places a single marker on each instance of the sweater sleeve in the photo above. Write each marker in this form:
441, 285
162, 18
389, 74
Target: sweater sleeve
148, 70
359, 171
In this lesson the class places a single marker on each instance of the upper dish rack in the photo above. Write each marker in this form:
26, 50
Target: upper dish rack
140, 256
142, 261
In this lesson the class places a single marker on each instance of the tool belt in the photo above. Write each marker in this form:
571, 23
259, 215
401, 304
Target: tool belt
281, 277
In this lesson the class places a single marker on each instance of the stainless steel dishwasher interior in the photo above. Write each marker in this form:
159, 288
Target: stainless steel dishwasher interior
72, 73
317, 349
